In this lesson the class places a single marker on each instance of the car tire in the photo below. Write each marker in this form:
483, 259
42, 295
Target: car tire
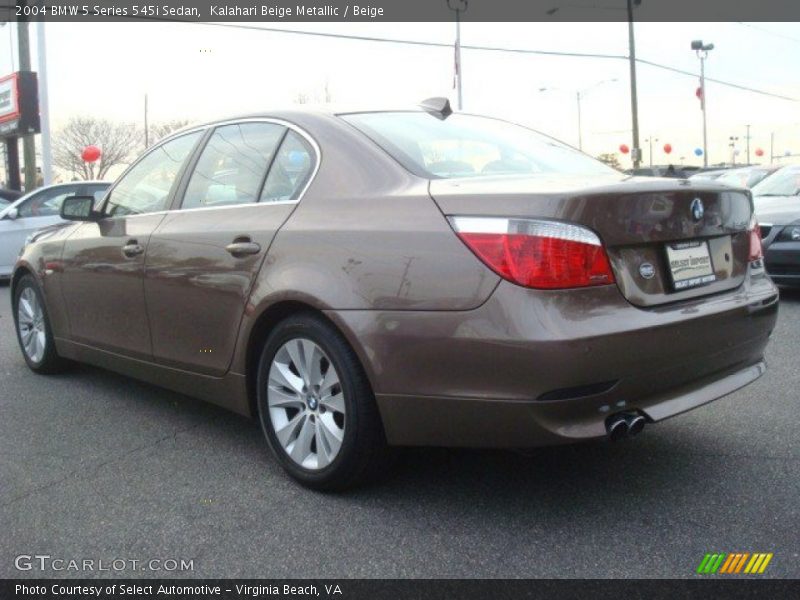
289, 415
32, 324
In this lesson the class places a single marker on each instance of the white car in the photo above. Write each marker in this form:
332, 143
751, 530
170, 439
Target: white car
35, 211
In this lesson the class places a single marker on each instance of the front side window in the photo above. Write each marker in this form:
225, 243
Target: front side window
47, 203
146, 187
291, 170
232, 166
98, 191
470, 146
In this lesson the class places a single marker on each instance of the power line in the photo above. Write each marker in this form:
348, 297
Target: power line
364, 38
719, 81
769, 32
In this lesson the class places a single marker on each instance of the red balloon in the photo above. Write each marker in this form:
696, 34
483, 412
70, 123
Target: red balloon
624, 148
759, 152
667, 148
91, 153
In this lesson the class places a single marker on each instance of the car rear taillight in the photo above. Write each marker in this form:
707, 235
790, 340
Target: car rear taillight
537, 254
756, 247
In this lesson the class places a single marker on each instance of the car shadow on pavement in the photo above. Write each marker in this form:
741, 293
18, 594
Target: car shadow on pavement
557, 476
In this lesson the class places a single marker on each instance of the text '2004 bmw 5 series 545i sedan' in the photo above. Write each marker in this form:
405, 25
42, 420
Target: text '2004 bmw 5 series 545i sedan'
362, 280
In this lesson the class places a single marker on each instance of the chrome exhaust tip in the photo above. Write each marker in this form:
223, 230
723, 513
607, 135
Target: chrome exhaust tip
617, 428
635, 423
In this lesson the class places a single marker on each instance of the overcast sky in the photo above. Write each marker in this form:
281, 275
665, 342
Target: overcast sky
201, 72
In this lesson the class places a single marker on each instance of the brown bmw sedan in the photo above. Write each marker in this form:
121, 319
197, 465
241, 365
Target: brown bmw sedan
363, 280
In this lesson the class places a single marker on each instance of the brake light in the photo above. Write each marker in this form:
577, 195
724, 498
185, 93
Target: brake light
537, 254
756, 247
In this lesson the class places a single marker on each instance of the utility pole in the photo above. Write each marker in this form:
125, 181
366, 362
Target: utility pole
28, 141
636, 152
44, 105
580, 135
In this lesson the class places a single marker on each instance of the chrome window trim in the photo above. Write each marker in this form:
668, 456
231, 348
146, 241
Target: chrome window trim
302, 132
206, 126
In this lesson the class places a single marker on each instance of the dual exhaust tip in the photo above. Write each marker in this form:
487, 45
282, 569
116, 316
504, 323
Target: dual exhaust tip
625, 424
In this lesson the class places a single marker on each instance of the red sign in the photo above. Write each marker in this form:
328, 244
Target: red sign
9, 98
19, 105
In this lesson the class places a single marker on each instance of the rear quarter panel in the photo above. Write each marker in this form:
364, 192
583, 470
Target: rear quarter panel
366, 236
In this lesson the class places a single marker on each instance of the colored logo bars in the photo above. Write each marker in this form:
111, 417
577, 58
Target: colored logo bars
733, 563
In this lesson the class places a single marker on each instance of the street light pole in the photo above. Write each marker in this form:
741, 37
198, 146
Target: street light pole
702, 53
650, 141
703, 108
748, 145
579, 96
636, 153
44, 105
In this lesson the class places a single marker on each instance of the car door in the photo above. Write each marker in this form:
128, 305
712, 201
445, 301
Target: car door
39, 210
203, 258
103, 260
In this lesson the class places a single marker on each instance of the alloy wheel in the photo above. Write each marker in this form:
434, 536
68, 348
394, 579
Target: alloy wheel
30, 321
306, 404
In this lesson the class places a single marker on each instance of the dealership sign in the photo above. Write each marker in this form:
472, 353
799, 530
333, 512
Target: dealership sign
19, 104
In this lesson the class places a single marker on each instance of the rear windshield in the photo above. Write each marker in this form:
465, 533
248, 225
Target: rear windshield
470, 146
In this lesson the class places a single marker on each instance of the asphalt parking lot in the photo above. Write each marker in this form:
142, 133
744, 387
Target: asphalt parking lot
97, 466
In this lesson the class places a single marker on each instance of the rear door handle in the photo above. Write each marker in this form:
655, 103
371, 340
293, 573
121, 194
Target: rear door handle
132, 248
243, 248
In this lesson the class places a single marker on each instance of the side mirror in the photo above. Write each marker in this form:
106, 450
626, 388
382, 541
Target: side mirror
78, 208
12, 213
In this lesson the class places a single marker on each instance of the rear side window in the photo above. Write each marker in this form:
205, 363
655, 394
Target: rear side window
291, 170
232, 166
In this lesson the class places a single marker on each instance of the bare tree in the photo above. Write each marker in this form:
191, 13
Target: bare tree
320, 96
611, 160
118, 142
163, 129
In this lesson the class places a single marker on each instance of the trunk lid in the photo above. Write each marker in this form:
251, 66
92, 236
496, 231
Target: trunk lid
636, 218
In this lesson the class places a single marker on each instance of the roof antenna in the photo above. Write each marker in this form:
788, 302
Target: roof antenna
438, 107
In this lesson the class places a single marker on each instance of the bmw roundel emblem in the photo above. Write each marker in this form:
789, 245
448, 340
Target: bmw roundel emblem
697, 209
647, 270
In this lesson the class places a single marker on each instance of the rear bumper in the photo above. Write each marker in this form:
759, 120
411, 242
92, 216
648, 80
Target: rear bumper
533, 368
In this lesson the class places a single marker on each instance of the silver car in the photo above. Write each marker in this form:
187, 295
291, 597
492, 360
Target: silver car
35, 211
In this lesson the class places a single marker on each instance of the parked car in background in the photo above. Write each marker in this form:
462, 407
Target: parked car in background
34, 211
356, 280
747, 176
659, 171
708, 174
777, 205
8, 196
